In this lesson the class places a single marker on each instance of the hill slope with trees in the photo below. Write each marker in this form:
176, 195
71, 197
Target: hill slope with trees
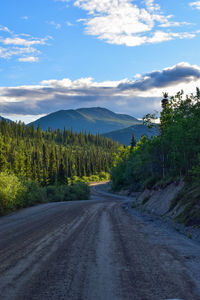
31, 159
170, 156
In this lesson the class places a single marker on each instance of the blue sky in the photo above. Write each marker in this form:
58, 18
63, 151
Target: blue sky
118, 54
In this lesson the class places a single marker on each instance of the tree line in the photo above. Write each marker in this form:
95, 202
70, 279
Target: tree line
173, 154
52, 156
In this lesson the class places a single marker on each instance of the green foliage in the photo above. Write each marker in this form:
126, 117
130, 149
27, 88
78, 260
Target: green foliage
10, 190
32, 194
174, 153
102, 176
50, 157
2, 154
133, 141
78, 191
17, 193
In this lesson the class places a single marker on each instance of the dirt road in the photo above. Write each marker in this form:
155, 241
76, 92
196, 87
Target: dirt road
94, 250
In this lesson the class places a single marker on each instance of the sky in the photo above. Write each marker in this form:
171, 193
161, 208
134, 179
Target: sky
117, 54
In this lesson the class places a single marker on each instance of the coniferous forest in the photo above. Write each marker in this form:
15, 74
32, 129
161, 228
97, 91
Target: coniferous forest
45, 162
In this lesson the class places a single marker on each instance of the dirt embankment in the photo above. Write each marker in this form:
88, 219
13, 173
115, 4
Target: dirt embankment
177, 203
158, 200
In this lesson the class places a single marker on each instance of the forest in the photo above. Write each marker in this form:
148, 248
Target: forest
172, 155
49, 165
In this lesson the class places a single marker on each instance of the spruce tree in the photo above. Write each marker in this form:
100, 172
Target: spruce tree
133, 141
52, 168
61, 173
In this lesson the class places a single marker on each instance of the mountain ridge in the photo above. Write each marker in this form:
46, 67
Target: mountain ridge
124, 135
93, 120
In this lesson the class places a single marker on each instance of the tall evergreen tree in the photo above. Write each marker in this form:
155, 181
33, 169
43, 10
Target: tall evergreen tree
52, 168
2, 155
133, 141
61, 173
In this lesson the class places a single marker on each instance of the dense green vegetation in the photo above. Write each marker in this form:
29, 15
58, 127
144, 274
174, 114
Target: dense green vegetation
39, 166
52, 156
18, 192
174, 153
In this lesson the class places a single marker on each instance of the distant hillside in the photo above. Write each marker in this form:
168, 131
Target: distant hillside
123, 136
93, 120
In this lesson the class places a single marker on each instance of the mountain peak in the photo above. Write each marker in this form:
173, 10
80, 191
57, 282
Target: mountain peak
92, 119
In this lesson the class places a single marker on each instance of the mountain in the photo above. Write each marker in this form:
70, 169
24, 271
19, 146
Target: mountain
123, 136
93, 120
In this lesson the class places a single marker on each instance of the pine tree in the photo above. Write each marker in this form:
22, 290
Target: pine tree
52, 168
2, 155
61, 173
164, 102
28, 170
133, 141
39, 133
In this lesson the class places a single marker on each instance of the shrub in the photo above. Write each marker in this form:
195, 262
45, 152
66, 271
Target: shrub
80, 191
16, 193
104, 176
76, 191
32, 194
10, 190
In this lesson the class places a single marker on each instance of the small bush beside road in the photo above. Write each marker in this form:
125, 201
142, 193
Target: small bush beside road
17, 192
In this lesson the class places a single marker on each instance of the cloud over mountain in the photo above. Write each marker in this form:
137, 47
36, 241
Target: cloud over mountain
127, 96
180, 73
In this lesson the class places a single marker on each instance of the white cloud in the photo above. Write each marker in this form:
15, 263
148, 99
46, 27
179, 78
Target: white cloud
151, 5
173, 24
25, 18
195, 4
20, 45
56, 25
137, 96
7, 53
160, 36
4, 28
124, 22
28, 59
23, 42
69, 23
24, 118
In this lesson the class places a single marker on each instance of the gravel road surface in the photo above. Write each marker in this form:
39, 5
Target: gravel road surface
94, 250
